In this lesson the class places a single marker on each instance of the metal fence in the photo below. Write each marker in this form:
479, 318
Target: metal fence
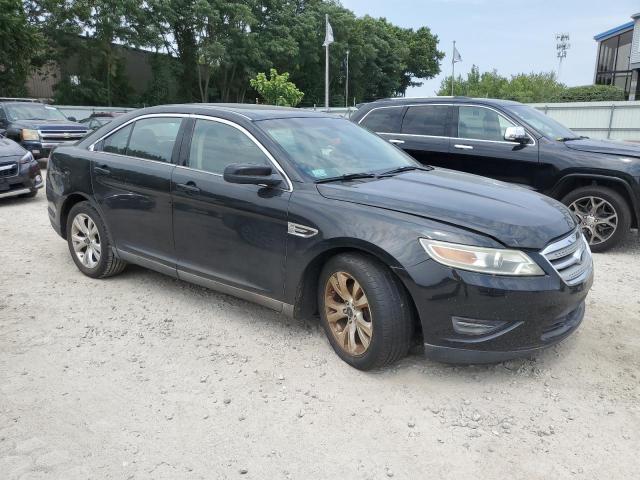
608, 120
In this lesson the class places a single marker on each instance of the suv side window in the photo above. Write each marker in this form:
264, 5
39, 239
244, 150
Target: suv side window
117, 143
426, 120
154, 138
214, 145
383, 120
481, 123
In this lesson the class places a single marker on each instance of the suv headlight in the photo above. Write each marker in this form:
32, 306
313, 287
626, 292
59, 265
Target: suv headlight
495, 261
27, 158
28, 134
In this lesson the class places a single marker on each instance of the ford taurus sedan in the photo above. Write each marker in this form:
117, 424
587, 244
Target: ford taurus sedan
309, 214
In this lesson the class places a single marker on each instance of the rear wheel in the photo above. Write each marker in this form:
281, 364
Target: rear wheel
365, 311
90, 244
603, 214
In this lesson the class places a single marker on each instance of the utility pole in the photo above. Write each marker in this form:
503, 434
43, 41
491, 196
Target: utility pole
562, 45
346, 84
328, 40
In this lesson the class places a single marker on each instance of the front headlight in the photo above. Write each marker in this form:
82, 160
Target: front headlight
27, 158
495, 261
28, 134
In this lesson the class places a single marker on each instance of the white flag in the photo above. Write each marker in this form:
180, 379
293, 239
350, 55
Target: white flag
328, 36
456, 55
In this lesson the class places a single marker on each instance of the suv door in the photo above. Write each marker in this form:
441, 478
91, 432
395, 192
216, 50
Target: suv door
226, 234
131, 175
425, 134
479, 147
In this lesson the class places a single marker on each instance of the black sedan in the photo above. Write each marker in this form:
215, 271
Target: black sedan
309, 214
19, 172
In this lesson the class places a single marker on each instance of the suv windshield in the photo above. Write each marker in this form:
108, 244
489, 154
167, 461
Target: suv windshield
331, 147
542, 123
33, 111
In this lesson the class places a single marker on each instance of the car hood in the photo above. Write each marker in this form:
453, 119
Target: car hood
604, 146
9, 148
49, 125
514, 216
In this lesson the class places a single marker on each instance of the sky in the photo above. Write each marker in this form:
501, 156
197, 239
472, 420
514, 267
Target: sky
512, 37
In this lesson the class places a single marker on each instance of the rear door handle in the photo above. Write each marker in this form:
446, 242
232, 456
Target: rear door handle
396, 141
463, 147
102, 170
189, 187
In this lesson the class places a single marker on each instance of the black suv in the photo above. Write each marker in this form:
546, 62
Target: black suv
306, 213
38, 127
599, 180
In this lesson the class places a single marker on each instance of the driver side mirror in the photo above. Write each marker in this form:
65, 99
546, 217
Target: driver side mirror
516, 134
72, 119
251, 174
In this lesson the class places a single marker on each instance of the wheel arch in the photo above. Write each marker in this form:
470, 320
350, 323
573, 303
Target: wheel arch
68, 203
576, 180
305, 304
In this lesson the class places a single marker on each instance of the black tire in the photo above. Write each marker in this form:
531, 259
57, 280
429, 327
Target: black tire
108, 264
619, 205
391, 312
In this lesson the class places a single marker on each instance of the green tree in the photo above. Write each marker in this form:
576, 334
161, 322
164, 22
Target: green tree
20, 45
277, 89
528, 88
591, 93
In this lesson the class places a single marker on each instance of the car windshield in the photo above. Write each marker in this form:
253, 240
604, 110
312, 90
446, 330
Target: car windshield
542, 123
33, 111
331, 147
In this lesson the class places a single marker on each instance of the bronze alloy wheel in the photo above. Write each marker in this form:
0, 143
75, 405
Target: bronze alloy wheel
598, 219
348, 314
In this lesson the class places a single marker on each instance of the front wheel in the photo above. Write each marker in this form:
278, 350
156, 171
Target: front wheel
603, 214
89, 243
365, 311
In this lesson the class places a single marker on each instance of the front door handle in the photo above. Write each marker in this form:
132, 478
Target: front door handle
395, 141
189, 187
463, 147
102, 170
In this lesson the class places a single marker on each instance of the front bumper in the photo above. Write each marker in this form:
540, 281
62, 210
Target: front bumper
27, 180
41, 149
531, 313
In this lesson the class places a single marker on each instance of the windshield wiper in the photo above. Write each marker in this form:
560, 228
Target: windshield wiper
347, 177
406, 168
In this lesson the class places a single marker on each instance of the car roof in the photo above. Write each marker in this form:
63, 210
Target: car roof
248, 111
425, 100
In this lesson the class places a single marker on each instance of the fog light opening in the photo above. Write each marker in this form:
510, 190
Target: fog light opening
472, 326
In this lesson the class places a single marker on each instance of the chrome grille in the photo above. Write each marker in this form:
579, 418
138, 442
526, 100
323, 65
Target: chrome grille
10, 170
61, 135
570, 257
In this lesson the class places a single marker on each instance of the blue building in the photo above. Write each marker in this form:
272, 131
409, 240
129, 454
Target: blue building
618, 60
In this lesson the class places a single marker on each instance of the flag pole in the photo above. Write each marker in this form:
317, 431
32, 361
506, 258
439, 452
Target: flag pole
346, 85
326, 68
453, 66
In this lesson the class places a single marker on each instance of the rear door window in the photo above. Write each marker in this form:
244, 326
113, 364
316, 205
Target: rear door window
154, 138
117, 143
383, 120
430, 120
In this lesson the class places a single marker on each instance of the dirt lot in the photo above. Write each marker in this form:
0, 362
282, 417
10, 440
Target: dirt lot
146, 377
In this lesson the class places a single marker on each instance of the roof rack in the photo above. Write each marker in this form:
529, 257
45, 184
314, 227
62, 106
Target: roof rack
421, 98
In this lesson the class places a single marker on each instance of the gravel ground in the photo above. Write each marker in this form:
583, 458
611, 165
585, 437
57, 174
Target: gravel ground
145, 377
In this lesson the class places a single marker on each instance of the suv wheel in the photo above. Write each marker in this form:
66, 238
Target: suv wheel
365, 311
89, 243
604, 216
